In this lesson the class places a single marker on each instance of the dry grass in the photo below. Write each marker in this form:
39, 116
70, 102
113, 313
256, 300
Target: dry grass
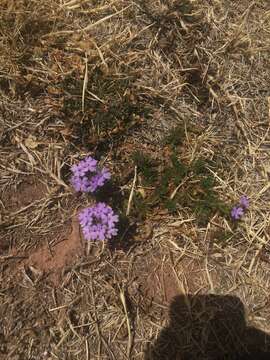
107, 78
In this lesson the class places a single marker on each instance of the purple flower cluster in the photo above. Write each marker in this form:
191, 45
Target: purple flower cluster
98, 222
239, 210
87, 177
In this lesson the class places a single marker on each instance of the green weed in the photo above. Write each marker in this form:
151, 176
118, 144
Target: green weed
146, 166
176, 136
198, 193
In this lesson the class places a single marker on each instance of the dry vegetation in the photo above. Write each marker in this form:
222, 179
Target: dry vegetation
109, 78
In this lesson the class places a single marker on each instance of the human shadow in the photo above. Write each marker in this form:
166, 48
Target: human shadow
208, 327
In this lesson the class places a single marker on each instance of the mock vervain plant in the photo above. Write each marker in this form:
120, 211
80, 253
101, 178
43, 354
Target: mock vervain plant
87, 176
98, 222
239, 210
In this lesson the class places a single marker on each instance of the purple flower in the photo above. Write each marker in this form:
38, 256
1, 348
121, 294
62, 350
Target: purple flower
244, 202
98, 222
87, 177
237, 212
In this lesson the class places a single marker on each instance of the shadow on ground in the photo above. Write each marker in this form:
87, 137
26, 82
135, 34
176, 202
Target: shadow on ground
111, 194
208, 327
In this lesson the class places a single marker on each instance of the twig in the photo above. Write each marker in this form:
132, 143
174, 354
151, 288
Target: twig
176, 189
206, 261
86, 350
123, 299
85, 82
132, 191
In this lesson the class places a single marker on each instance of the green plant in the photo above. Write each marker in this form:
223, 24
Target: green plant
176, 136
198, 193
141, 206
146, 166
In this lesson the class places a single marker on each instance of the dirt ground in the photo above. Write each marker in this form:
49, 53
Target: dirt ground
172, 96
